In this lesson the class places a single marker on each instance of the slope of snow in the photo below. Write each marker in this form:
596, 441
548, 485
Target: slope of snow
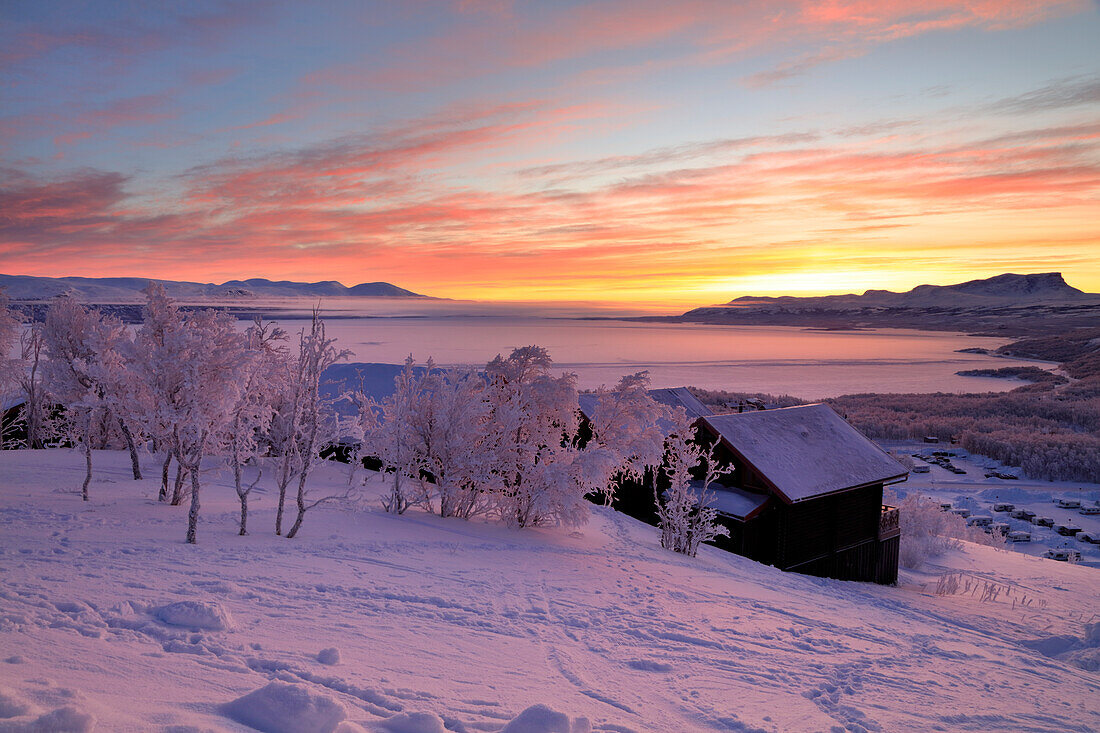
446, 625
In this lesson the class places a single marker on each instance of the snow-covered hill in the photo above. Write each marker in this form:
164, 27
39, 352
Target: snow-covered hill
128, 289
418, 624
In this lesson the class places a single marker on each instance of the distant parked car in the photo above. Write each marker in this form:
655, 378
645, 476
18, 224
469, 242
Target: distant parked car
1089, 510
955, 469
1003, 507
964, 513
1093, 538
1069, 503
979, 520
1025, 514
1067, 530
1019, 537
921, 469
931, 439
1044, 522
1062, 554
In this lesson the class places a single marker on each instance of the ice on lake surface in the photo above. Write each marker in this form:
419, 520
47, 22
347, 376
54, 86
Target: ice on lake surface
807, 363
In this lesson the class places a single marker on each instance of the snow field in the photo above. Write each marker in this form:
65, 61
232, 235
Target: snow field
108, 619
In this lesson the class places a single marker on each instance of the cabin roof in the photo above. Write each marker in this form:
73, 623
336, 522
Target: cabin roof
669, 396
805, 451
733, 501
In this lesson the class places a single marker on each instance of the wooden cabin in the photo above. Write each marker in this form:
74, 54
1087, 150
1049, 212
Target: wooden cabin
806, 493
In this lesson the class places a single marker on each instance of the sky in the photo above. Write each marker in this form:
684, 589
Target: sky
662, 153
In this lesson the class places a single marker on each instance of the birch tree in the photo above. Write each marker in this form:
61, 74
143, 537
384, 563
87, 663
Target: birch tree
311, 421
209, 354
630, 423
252, 411
531, 428
10, 369
685, 510
78, 342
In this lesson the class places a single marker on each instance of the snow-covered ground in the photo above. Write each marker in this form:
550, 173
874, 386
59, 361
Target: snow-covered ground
414, 624
977, 493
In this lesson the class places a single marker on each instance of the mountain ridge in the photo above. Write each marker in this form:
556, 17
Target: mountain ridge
1034, 287
126, 289
1008, 304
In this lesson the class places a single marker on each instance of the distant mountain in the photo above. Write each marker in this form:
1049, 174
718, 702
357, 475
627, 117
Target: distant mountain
1007, 289
128, 289
1005, 303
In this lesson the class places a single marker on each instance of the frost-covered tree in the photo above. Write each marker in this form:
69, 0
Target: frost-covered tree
303, 420
208, 369
531, 428
447, 425
10, 368
629, 422
684, 510
154, 380
32, 348
250, 417
387, 429
81, 344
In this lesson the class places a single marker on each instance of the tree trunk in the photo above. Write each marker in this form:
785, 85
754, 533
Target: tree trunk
297, 520
177, 492
282, 478
164, 476
134, 463
87, 466
279, 511
244, 515
242, 495
193, 512
301, 500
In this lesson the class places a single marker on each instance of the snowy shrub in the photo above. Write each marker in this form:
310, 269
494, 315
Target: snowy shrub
686, 517
927, 531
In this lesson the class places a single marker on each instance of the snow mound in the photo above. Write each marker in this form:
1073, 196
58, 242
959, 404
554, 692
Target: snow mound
329, 656
11, 705
281, 707
195, 615
543, 719
1081, 652
412, 723
62, 720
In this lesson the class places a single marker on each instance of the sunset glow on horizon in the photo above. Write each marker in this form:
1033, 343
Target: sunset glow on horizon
639, 153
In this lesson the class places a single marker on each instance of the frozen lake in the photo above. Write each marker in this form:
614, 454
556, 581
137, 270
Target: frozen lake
806, 363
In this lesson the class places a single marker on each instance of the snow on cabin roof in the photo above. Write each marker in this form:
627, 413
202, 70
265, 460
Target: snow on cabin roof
669, 396
805, 451
731, 500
